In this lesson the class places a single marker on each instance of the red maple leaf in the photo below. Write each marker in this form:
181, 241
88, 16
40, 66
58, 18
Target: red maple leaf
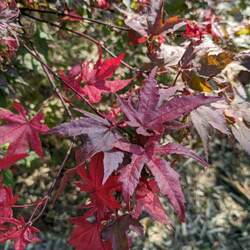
7, 200
94, 78
168, 180
148, 200
101, 195
19, 231
87, 236
21, 133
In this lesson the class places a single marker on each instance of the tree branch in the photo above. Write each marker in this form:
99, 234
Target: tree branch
33, 218
85, 36
85, 19
64, 82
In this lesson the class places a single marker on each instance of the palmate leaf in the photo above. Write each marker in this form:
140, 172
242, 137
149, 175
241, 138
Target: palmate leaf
168, 181
7, 200
95, 78
166, 177
150, 21
146, 115
86, 235
101, 195
204, 118
99, 136
17, 230
130, 175
21, 133
147, 200
239, 114
242, 134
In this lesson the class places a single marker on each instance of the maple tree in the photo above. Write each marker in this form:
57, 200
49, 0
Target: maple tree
123, 129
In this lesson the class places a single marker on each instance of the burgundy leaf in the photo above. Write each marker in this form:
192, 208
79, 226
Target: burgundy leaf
130, 175
168, 181
147, 200
174, 148
149, 116
86, 235
112, 160
150, 21
179, 106
98, 133
117, 232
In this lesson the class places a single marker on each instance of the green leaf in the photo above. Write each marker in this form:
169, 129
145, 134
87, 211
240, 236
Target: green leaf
8, 178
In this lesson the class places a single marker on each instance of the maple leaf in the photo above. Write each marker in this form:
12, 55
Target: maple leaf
117, 232
95, 78
147, 116
7, 200
130, 175
168, 181
17, 230
147, 200
150, 20
239, 115
204, 118
99, 136
101, 195
21, 133
165, 55
86, 235
166, 177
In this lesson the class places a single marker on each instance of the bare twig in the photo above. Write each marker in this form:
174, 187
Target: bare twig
85, 19
59, 78
51, 80
35, 216
85, 36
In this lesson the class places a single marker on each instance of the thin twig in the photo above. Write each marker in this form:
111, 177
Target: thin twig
59, 78
90, 20
57, 91
47, 197
177, 75
85, 36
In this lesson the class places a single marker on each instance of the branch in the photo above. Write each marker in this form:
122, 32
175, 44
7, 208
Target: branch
64, 82
86, 19
85, 36
51, 80
47, 197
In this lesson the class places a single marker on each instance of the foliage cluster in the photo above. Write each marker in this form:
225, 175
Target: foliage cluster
173, 74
